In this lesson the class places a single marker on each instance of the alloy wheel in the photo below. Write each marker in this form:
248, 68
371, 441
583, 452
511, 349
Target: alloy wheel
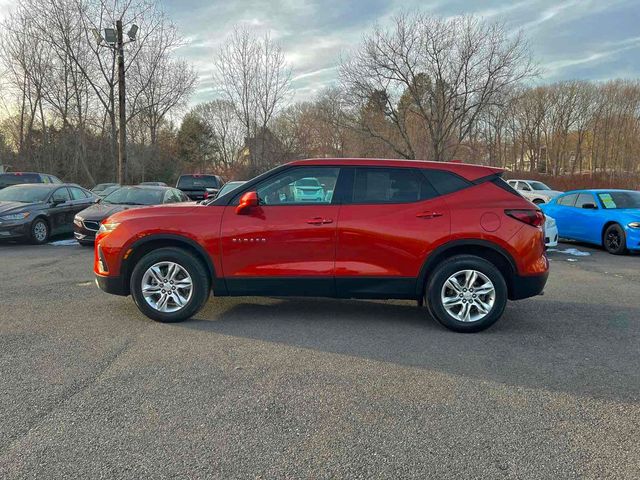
40, 231
167, 287
468, 295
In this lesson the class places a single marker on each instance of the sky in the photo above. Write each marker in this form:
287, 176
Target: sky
570, 39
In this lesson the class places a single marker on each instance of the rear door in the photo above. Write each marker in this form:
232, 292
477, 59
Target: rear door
390, 219
286, 245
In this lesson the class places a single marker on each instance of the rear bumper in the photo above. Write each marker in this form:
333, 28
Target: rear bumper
113, 285
527, 286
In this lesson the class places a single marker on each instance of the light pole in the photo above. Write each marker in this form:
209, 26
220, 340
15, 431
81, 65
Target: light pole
113, 39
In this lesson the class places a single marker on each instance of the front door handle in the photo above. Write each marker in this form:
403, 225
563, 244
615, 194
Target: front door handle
319, 221
428, 215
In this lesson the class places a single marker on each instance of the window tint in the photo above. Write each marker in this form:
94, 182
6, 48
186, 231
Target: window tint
300, 185
77, 193
61, 195
524, 186
390, 185
445, 182
585, 198
568, 200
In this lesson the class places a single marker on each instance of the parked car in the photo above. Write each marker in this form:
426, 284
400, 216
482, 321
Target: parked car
535, 191
102, 188
154, 184
87, 222
198, 186
18, 178
550, 232
610, 218
230, 186
36, 211
454, 235
308, 190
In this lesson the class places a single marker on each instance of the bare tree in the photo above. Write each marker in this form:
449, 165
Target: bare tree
253, 76
226, 130
448, 70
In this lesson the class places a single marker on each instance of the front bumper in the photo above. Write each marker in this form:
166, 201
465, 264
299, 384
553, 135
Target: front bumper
633, 238
527, 286
13, 230
113, 285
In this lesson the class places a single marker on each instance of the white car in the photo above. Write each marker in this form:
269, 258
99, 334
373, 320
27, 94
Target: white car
534, 191
308, 190
550, 232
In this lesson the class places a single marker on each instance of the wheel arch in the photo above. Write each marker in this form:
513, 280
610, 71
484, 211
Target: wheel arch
481, 248
152, 242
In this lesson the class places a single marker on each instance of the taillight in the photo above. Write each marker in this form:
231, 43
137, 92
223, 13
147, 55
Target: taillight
535, 218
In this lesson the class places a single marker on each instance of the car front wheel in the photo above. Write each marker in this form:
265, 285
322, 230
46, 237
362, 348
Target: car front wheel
39, 231
170, 285
615, 240
466, 293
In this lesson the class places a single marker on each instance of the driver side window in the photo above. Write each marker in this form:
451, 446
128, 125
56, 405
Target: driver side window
299, 186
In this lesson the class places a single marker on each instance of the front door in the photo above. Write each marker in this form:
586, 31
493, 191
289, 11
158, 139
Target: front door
285, 245
61, 213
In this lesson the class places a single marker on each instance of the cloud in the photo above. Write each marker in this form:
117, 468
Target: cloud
583, 38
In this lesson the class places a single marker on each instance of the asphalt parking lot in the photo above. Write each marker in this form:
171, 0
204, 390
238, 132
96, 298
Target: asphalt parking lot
312, 388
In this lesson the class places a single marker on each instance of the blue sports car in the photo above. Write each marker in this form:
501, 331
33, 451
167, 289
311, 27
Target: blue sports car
610, 218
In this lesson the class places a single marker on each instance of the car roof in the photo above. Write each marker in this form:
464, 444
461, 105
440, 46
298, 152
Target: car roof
466, 170
600, 190
149, 187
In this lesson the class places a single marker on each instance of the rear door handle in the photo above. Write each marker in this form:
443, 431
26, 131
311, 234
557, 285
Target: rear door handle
428, 215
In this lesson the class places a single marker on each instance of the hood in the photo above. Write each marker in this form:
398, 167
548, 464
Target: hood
7, 208
154, 211
100, 211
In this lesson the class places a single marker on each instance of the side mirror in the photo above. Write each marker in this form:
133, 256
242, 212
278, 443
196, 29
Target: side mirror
589, 206
57, 201
247, 202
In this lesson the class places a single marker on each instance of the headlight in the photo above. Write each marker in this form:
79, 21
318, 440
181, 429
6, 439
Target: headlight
634, 225
78, 220
550, 222
107, 227
15, 216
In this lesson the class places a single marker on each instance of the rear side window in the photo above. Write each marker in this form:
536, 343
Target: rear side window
390, 185
585, 198
445, 182
568, 200
77, 193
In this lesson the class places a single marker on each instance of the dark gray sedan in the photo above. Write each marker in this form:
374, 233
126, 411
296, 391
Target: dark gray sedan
34, 212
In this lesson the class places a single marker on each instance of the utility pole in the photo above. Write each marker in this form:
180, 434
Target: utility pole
122, 132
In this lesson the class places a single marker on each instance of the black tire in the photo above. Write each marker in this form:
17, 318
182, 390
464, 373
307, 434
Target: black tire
201, 283
614, 240
444, 271
40, 232
538, 201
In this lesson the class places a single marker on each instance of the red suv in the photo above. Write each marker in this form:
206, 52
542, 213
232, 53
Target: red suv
453, 236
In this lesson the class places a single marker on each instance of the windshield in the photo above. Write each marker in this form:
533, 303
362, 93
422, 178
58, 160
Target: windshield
198, 181
16, 179
615, 200
24, 194
539, 186
135, 196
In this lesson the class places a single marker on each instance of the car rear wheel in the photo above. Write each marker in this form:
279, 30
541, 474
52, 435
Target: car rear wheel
39, 231
170, 285
466, 293
615, 240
